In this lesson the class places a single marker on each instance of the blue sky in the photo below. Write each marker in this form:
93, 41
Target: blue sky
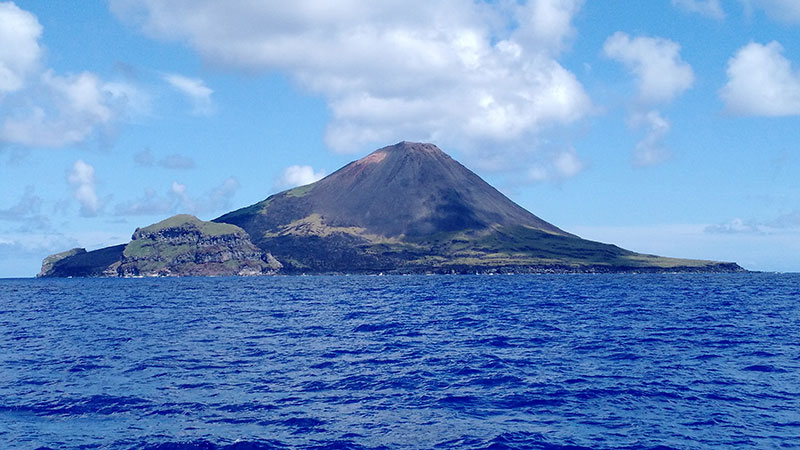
665, 126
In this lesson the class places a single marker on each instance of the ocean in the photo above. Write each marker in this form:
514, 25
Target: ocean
689, 361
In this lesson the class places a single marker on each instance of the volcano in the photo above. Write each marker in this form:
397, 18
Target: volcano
411, 208
406, 208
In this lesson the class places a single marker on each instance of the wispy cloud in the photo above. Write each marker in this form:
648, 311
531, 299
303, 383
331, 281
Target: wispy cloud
27, 211
560, 166
82, 180
661, 75
650, 150
178, 199
708, 8
145, 158
784, 222
195, 90
786, 11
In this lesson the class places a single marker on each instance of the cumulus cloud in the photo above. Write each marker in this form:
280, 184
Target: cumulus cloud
20, 51
656, 63
761, 82
708, 8
195, 90
294, 176
42, 108
82, 180
178, 199
450, 71
650, 151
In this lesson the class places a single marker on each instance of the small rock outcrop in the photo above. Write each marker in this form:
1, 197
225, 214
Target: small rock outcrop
182, 245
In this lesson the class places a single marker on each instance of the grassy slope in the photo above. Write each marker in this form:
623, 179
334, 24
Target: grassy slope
493, 248
311, 244
153, 255
189, 221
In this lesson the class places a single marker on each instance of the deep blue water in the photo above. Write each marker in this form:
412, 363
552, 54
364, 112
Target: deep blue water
437, 362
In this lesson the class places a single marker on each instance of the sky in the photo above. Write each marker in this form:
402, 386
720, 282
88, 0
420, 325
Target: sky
668, 127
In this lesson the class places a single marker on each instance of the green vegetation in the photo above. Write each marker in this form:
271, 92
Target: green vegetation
300, 191
187, 221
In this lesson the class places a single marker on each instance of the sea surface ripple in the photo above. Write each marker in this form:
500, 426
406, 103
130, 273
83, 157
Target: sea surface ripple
402, 362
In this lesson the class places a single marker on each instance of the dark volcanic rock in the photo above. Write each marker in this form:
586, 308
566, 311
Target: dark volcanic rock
52, 260
84, 264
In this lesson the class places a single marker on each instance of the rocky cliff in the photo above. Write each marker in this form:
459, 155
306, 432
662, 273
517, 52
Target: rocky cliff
182, 245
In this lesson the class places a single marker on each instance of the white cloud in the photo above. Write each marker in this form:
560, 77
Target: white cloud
661, 76
449, 72
548, 22
559, 166
294, 176
762, 82
20, 51
67, 112
178, 199
650, 150
656, 63
195, 90
787, 11
708, 8
82, 180
43, 109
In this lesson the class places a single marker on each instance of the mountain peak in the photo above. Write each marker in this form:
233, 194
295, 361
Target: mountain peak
409, 189
408, 146
403, 149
